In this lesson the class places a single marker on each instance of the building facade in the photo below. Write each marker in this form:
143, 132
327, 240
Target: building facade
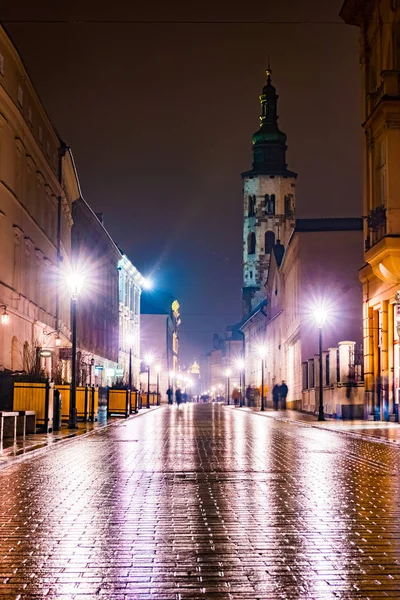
159, 338
318, 267
38, 185
379, 23
96, 257
269, 200
130, 290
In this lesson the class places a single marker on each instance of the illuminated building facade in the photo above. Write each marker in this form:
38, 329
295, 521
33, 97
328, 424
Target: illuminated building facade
97, 258
379, 23
38, 185
319, 263
130, 290
159, 336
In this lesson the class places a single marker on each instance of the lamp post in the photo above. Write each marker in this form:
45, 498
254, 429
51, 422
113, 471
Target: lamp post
320, 315
148, 359
130, 340
228, 381
75, 283
240, 367
158, 371
262, 353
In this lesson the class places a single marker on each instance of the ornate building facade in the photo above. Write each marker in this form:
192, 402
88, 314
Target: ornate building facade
38, 185
130, 290
379, 23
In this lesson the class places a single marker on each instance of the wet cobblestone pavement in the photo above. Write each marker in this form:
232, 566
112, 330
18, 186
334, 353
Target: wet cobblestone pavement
203, 502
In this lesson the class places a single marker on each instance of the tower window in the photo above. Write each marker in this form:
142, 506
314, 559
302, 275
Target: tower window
269, 204
252, 206
251, 243
289, 208
269, 241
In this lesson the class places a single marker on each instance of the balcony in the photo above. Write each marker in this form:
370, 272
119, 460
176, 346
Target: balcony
376, 226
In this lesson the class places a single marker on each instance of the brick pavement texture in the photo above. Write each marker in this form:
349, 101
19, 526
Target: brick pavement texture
203, 502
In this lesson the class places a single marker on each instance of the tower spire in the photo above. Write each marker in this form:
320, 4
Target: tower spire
269, 143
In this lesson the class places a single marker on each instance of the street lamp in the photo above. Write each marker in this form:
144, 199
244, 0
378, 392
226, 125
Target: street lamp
158, 371
5, 317
320, 316
75, 284
262, 352
148, 360
240, 368
228, 380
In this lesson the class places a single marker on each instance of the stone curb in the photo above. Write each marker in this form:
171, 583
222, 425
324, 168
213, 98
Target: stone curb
69, 438
360, 436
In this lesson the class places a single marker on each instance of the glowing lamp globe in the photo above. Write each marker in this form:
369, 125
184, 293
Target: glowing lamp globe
75, 284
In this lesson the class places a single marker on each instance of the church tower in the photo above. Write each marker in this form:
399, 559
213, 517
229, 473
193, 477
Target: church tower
269, 200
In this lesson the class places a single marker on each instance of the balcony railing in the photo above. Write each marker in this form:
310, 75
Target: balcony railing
376, 226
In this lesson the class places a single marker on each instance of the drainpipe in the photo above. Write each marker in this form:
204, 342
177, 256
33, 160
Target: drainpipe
61, 153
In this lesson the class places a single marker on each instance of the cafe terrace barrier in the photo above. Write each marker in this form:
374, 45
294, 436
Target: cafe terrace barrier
87, 402
119, 402
153, 399
37, 397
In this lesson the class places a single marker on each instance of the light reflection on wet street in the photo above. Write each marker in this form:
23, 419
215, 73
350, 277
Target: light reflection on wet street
203, 502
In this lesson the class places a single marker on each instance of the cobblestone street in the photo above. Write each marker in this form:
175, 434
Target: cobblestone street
207, 502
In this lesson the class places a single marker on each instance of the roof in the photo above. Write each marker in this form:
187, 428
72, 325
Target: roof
255, 310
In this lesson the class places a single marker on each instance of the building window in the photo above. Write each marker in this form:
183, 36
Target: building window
251, 243
289, 209
251, 274
269, 241
20, 96
1, 64
30, 115
252, 206
269, 203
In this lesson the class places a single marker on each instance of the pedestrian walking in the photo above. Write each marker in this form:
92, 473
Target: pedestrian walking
169, 395
283, 392
178, 396
275, 396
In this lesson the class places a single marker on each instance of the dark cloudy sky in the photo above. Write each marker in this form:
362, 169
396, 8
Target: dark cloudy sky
160, 118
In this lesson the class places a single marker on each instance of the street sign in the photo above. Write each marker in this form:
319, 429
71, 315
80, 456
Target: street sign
45, 353
98, 367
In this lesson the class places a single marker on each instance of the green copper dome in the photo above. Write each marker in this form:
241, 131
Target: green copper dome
269, 142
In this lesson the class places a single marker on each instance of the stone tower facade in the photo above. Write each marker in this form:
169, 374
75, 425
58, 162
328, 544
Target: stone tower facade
269, 200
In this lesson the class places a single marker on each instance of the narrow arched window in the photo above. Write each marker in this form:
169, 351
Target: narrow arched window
252, 206
251, 243
269, 241
269, 204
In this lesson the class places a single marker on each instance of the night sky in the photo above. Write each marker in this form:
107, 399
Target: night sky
160, 116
